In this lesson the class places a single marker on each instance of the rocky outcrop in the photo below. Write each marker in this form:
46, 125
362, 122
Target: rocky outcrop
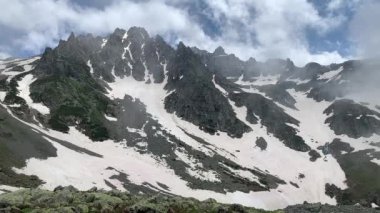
352, 119
361, 173
271, 116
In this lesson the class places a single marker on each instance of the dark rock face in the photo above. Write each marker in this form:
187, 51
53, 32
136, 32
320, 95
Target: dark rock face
336, 147
273, 117
261, 143
314, 155
279, 94
195, 98
68, 56
348, 81
131, 54
362, 178
73, 96
361, 173
352, 119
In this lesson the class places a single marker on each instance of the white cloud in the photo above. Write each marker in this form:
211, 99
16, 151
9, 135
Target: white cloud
273, 29
44, 22
365, 29
261, 29
4, 55
335, 4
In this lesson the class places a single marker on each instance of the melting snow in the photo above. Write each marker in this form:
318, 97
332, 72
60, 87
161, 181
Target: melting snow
2, 95
260, 80
5, 188
196, 168
224, 92
377, 161
125, 36
14, 105
26, 64
313, 128
298, 81
110, 118
89, 64
104, 42
331, 74
24, 92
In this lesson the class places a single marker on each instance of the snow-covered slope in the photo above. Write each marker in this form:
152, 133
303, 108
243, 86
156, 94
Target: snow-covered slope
117, 112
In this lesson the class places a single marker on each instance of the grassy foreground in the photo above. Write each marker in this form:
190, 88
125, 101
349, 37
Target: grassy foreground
69, 199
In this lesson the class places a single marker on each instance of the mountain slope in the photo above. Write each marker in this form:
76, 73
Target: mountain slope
130, 112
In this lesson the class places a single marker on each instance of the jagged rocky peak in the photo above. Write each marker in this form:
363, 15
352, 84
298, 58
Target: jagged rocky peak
233, 67
131, 53
314, 68
290, 65
251, 60
75, 51
121, 54
204, 106
71, 37
138, 33
219, 51
116, 38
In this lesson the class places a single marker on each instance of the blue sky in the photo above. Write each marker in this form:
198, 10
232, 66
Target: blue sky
324, 31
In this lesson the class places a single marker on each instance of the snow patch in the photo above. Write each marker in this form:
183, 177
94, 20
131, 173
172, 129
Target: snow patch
223, 91
89, 64
125, 36
110, 118
24, 92
377, 161
104, 42
14, 105
244, 174
330, 74
138, 131
312, 127
25, 63
298, 81
5, 188
196, 168
2, 95
265, 79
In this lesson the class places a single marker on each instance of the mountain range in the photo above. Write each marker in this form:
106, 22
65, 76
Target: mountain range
133, 113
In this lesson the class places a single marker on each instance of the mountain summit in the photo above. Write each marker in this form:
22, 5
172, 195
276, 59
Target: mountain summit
130, 112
